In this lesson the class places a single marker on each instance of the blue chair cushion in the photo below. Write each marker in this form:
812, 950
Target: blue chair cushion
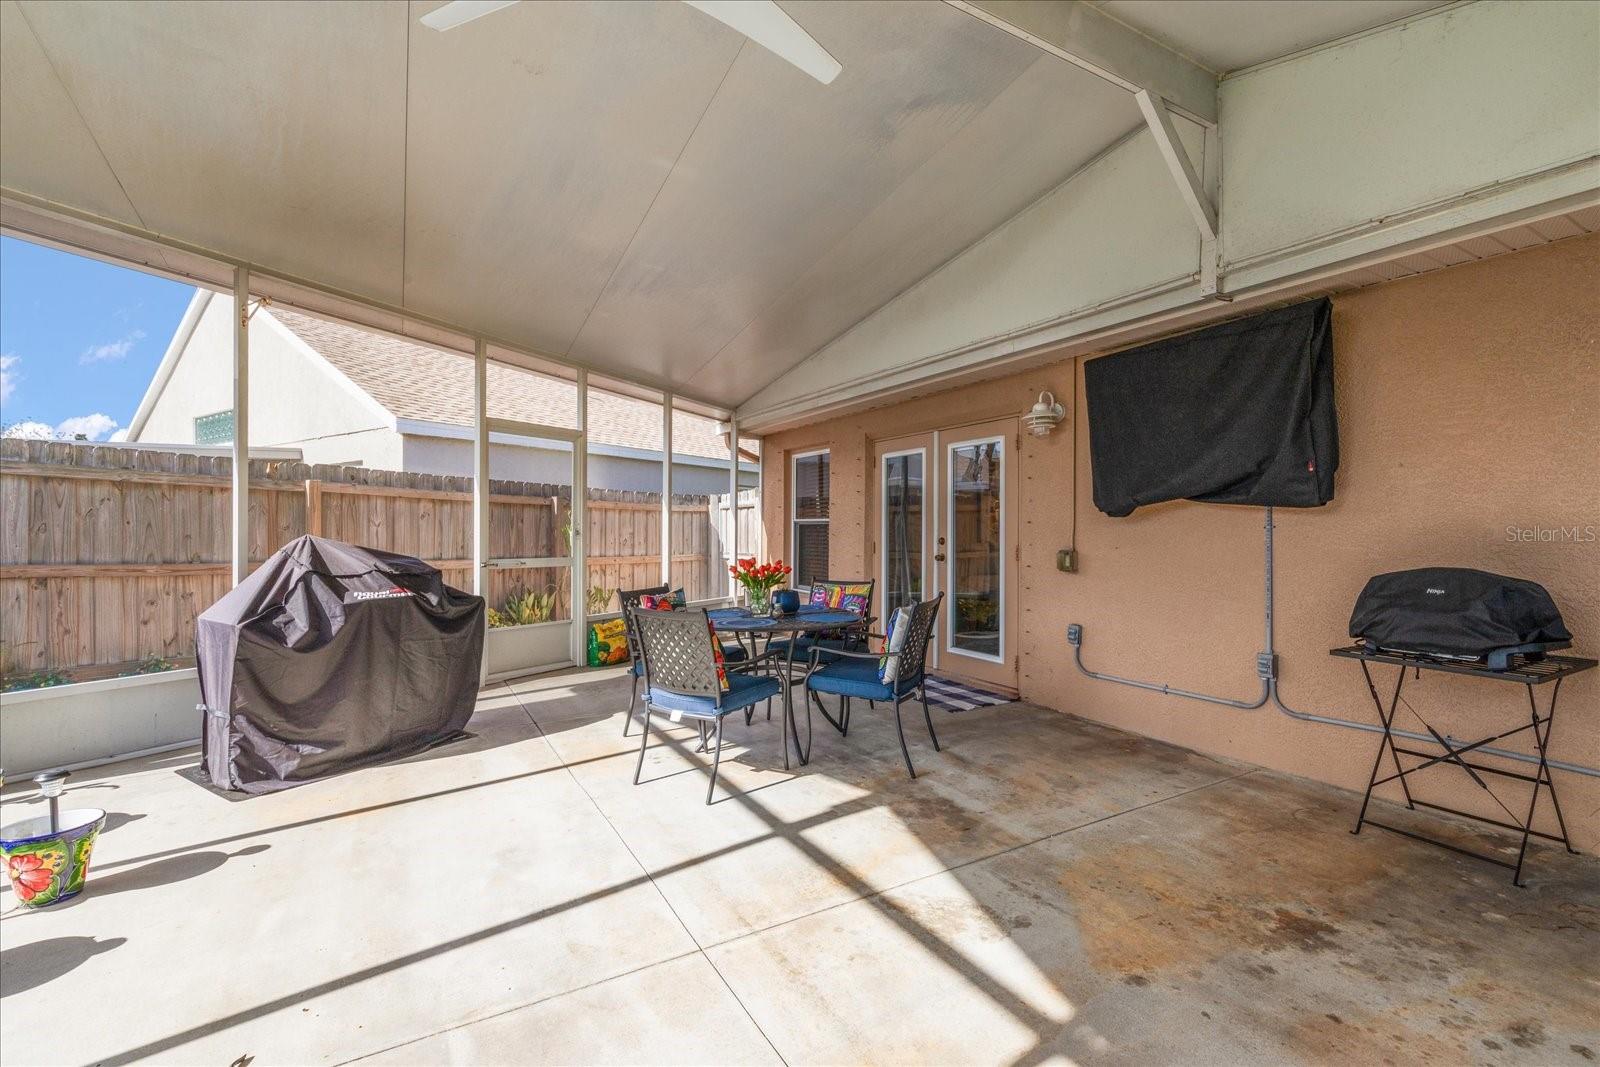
743, 690
857, 678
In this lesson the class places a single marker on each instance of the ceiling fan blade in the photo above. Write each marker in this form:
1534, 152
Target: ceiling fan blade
460, 12
769, 26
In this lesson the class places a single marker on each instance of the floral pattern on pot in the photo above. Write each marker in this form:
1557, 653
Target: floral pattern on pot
80, 861
46, 868
35, 872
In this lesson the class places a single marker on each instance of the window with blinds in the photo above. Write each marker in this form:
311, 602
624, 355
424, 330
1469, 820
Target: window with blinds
808, 512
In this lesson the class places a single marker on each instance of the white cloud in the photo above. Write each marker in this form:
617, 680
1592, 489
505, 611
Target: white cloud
32, 431
93, 427
8, 377
120, 435
114, 350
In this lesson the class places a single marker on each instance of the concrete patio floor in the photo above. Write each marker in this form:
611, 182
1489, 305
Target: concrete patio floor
1048, 890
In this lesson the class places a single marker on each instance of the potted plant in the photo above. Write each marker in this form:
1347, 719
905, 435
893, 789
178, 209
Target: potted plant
759, 580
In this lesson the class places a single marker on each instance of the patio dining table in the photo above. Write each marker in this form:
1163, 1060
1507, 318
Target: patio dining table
741, 623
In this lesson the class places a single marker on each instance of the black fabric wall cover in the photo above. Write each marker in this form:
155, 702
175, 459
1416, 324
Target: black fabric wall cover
1239, 413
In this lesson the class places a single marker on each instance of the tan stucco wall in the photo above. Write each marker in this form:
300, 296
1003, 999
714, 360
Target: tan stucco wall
1469, 402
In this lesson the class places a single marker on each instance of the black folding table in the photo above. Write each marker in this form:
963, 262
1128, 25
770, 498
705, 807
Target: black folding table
1527, 672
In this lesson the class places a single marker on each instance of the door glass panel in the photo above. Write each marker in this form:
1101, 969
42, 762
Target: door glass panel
529, 519
902, 531
975, 538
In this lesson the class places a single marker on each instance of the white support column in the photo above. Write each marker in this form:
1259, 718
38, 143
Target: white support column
241, 424
580, 526
480, 479
733, 500
666, 488
480, 467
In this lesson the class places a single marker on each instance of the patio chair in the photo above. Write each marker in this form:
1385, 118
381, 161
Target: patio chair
684, 680
833, 592
852, 674
629, 599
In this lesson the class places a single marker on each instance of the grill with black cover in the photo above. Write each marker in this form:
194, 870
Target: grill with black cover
330, 657
1458, 613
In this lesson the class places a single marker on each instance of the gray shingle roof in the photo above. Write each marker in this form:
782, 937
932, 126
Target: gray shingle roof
416, 382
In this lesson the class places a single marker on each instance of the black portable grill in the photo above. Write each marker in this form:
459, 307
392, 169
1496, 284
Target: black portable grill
1471, 623
1459, 615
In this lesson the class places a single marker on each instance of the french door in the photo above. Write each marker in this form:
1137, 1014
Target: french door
945, 521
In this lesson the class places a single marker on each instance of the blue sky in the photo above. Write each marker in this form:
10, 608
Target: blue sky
79, 340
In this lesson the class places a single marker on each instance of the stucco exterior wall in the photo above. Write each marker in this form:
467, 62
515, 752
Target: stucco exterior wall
1469, 409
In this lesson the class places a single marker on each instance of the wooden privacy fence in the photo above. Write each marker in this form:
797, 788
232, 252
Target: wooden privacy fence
108, 554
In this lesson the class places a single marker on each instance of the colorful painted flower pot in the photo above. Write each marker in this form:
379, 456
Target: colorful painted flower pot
45, 867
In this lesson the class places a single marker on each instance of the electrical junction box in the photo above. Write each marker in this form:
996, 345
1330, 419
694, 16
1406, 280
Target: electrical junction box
1067, 560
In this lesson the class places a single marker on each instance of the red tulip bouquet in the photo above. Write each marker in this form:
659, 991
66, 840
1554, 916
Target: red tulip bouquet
759, 580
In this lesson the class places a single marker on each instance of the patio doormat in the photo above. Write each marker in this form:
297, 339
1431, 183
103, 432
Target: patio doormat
959, 696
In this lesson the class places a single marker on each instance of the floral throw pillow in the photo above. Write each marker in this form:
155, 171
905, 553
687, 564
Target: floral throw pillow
665, 602
842, 596
853, 598
716, 653
899, 629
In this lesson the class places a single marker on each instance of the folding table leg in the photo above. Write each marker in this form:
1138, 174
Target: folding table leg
1386, 743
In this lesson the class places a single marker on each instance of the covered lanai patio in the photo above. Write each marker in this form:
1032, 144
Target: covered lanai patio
957, 286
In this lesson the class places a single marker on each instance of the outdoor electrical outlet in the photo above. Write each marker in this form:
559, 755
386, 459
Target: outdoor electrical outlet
1067, 560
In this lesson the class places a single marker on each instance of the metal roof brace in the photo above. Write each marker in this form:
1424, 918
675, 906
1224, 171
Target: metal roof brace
1267, 671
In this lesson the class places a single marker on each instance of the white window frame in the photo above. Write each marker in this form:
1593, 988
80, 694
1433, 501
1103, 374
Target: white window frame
794, 503
949, 568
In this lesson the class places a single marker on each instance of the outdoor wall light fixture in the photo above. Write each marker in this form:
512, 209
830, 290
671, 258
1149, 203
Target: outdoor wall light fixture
1043, 416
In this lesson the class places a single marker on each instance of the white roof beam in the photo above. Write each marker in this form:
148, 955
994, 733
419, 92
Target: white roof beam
1089, 38
1190, 187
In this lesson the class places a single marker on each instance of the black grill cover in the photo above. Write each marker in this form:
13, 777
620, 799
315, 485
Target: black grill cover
1239, 413
1454, 611
332, 656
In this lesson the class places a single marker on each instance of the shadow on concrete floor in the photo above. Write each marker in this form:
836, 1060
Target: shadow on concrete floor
28, 966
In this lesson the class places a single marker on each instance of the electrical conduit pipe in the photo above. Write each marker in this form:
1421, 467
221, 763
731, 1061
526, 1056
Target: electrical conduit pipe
1267, 672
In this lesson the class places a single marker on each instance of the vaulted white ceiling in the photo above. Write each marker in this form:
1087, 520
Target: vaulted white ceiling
629, 185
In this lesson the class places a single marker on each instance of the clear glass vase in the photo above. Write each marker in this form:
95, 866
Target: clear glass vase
759, 601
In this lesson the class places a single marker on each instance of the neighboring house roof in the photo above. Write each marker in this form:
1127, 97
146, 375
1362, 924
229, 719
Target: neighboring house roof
416, 382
